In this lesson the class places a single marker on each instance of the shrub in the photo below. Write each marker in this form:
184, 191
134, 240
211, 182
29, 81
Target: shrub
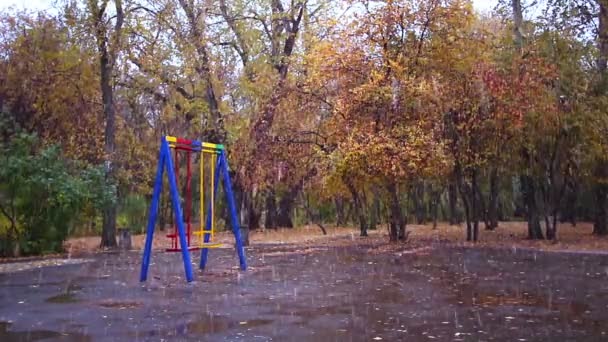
133, 213
41, 193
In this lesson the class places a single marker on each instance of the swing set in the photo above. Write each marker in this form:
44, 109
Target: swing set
181, 237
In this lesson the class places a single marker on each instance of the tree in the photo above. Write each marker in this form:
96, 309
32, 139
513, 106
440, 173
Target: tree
587, 23
47, 77
600, 224
386, 117
109, 39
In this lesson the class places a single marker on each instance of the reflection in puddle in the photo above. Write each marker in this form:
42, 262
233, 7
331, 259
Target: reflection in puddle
470, 297
119, 305
64, 298
309, 314
571, 308
6, 334
211, 324
69, 296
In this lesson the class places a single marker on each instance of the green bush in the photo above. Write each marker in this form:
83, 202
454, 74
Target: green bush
133, 213
40, 195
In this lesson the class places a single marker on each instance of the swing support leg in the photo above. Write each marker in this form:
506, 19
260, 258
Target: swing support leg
164, 160
236, 229
158, 185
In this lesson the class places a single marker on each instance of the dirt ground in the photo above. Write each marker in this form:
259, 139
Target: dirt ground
337, 288
509, 234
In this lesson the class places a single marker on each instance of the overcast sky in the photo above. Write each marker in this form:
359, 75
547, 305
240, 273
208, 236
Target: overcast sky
30, 4
45, 4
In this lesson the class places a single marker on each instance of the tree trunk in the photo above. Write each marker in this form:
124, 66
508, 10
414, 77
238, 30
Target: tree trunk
162, 216
453, 202
602, 62
551, 227
361, 214
108, 234
271, 211
362, 222
349, 209
108, 44
287, 202
492, 212
518, 20
475, 207
252, 215
528, 191
419, 208
316, 219
435, 202
569, 209
501, 212
463, 189
397, 223
600, 223
374, 210
482, 212
359, 207
340, 212
285, 210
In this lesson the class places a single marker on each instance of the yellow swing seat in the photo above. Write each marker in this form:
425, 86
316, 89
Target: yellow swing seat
200, 234
210, 245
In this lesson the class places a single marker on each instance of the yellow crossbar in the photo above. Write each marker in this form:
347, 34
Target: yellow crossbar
213, 146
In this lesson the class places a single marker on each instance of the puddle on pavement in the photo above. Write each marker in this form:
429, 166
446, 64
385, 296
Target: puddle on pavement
69, 296
571, 308
64, 298
468, 296
309, 314
33, 285
211, 324
6, 334
119, 305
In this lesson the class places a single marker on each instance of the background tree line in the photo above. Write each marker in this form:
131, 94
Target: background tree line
349, 112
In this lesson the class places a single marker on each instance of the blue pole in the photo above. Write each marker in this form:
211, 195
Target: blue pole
216, 179
236, 229
177, 207
158, 185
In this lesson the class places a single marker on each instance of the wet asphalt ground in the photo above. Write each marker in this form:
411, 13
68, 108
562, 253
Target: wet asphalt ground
295, 293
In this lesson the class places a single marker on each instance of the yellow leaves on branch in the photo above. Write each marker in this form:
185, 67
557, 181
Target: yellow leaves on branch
401, 153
